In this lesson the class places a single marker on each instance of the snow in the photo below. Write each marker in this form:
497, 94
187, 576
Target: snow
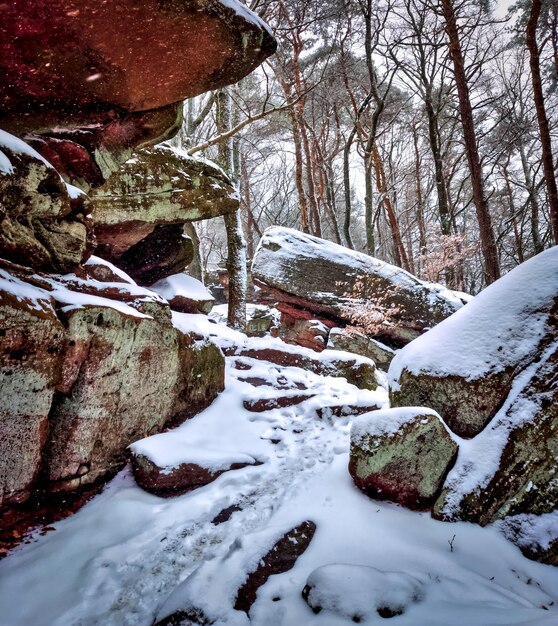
243, 11
95, 260
181, 285
501, 327
128, 556
34, 297
17, 146
387, 422
531, 531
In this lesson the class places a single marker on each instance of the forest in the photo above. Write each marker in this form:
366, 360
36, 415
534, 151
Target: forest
419, 132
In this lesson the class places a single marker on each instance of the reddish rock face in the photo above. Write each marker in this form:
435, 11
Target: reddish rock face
83, 58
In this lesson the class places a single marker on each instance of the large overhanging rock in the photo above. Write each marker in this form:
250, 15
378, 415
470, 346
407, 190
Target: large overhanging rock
71, 63
42, 220
465, 367
119, 367
347, 286
157, 187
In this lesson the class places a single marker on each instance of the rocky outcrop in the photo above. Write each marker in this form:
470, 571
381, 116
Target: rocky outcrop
157, 187
347, 287
86, 369
465, 367
117, 73
42, 220
402, 455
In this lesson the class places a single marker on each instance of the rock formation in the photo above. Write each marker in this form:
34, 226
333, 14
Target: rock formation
349, 288
90, 361
401, 455
116, 73
490, 372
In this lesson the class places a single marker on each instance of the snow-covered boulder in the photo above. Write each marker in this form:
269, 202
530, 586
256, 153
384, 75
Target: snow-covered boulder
351, 340
465, 367
184, 294
401, 455
42, 220
510, 469
158, 186
347, 286
359, 593
166, 466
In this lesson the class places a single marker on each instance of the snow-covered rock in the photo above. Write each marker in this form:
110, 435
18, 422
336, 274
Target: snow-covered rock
42, 220
340, 284
510, 468
401, 455
465, 367
164, 468
360, 593
184, 294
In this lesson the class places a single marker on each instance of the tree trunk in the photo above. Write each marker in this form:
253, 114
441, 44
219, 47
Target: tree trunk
236, 259
542, 119
487, 239
195, 268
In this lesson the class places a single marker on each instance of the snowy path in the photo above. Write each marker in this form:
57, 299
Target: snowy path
117, 560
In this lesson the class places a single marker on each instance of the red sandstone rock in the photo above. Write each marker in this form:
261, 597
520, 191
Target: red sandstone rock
81, 60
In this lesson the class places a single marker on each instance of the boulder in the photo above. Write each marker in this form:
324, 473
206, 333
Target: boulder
465, 368
347, 287
158, 186
298, 327
158, 473
402, 455
164, 252
509, 469
119, 56
352, 340
42, 220
184, 294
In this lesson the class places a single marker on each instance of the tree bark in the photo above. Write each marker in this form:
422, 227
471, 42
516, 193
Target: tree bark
542, 119
486, 232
